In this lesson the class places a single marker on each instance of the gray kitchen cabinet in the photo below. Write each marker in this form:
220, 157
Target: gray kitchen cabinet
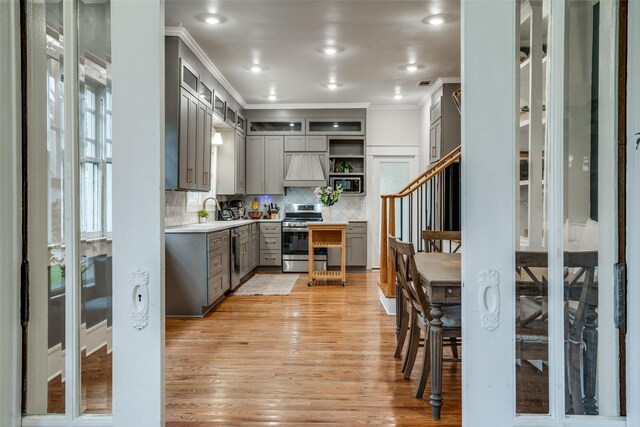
240, 167
197, 271
187, 140
255, 164
444, 119
187, 123
264, 162
356, 250
327, 126
356, 246
254, 245
298, 143
316, 143
295, 143
275, 126
231, 163
270, 244
203, 148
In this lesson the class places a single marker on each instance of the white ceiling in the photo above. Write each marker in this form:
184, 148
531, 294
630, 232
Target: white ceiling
379, 37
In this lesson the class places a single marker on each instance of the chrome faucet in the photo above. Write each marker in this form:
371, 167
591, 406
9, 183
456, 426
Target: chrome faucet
204, 203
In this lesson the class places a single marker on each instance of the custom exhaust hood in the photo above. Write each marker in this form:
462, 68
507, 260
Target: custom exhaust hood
305, 170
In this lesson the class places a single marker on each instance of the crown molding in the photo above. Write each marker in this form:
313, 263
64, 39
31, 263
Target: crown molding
389, 107
435, 86
307, 106
184, 35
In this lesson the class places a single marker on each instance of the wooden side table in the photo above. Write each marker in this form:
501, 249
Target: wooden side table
331, 234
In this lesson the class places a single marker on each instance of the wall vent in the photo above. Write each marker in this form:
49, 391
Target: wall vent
423, 83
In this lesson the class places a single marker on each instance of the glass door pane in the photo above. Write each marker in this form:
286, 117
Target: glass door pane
394, 176
588, 212
94, 66
531, 258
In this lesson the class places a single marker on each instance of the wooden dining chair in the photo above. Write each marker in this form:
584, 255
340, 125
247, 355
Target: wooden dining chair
434, 240
580, 320
408, 313
452, 326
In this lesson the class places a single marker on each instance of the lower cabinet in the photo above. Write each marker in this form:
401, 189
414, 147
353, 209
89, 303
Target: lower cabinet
254, 245
356, 246
197, 271
270, 244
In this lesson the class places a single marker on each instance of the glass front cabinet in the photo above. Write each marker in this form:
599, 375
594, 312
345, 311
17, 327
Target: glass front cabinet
276, 127
219, 106
343, 126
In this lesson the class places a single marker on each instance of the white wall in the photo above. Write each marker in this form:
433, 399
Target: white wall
391, 125
424, 134
392, 130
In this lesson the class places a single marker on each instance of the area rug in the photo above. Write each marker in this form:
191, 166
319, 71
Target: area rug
268, 284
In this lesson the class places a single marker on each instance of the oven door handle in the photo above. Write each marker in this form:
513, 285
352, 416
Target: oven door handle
294, 229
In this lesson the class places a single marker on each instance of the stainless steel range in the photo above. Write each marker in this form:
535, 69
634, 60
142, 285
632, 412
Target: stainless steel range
295, 238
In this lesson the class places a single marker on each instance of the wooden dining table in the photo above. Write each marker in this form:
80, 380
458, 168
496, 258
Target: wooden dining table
440, 275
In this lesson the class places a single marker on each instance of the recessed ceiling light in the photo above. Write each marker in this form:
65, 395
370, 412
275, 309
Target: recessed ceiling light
256, 68
213, 19
335, 125
330, 49
434, 20
412, 67
291, 124
272, 97
397, 96
332, 85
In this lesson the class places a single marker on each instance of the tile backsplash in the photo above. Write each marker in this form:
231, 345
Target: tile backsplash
176, 209
348, 208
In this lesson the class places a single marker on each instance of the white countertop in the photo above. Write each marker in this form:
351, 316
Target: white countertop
212, 226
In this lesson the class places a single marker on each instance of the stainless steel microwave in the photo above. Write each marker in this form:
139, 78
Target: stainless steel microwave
349, 184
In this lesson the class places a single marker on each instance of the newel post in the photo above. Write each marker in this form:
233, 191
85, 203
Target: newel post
383, 246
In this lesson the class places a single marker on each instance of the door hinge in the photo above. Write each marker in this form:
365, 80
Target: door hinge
620, 294
24, 293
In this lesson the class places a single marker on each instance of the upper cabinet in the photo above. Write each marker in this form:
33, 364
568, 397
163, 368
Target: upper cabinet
444, 119
219, 106
276, 127
335, 126
305, 143
188, 77
230, 117
187, 124
206, 94
231, 163
241, 123
265, 164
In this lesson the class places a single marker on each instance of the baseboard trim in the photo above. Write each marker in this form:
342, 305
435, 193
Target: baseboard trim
91, 340
389, 304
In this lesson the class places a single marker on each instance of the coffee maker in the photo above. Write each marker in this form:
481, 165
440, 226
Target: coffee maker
225, 213
237, 207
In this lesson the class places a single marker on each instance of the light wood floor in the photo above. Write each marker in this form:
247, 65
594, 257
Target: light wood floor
321, 355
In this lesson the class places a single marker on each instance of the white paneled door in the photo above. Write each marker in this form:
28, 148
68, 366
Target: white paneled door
94, 317
390, 175
543, 327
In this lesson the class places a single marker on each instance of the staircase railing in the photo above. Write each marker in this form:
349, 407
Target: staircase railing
433, 198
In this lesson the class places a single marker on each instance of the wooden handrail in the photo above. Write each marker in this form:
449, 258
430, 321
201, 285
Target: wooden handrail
429, 174
388, 215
